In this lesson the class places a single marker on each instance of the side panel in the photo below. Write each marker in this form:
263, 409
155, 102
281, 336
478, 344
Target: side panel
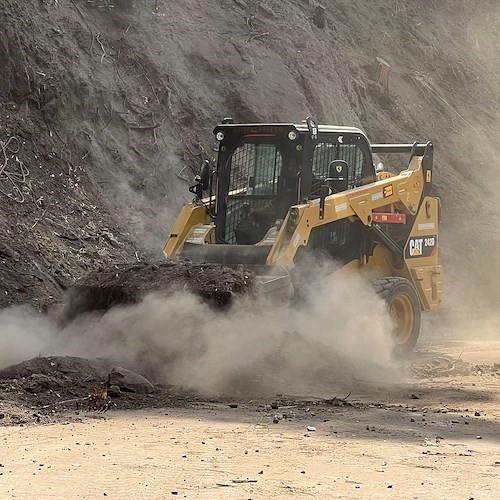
377, 265
190, 216
421, 255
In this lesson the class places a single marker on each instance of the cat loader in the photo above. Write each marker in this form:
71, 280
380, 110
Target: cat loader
283, 199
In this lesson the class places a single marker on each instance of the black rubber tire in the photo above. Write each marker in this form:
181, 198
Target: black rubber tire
396, 291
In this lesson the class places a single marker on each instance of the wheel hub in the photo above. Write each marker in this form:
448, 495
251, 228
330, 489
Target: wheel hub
401, 312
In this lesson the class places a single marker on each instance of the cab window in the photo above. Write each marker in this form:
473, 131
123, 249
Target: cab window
325, 153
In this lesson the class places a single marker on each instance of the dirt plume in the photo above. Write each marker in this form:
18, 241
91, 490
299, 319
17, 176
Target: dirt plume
25, 333
255, 346
338, 331
114, 108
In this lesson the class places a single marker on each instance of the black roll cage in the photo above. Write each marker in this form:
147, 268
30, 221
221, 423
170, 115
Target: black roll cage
231, 135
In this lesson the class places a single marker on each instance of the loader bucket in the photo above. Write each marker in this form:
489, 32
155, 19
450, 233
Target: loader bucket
272, 282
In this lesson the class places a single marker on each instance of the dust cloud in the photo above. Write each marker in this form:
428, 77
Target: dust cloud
24, 334
255, 347
149, 208
468, 181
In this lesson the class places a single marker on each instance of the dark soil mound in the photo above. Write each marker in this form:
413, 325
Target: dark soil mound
66, 370
129, 283
46, 389
41, 388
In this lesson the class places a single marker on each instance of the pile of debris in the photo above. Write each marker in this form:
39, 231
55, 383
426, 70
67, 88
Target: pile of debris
444, 366
130, 283
43, 389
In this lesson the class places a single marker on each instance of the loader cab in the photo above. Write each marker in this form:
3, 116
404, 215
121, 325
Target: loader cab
264, 169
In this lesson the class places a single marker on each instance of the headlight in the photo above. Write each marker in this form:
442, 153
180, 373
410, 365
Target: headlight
292, 135
219, 136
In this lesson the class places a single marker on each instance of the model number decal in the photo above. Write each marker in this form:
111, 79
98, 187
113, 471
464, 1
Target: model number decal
421, 247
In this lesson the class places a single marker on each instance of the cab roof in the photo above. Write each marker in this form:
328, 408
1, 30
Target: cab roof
302, 127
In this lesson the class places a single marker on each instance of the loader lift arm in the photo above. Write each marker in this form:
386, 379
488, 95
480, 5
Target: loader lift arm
402, 193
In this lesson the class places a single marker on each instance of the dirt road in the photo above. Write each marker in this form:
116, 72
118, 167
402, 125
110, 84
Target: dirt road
433, 437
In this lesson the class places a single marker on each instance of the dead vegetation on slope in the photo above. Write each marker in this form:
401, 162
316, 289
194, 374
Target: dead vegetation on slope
107, 109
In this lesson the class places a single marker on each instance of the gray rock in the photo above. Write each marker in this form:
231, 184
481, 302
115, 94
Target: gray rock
114, 391
129, 381
319, 18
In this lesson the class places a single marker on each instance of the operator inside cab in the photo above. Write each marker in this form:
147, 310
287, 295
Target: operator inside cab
256, 221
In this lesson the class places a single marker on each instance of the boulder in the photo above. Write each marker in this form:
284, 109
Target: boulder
114, 391
319, 18
129, 381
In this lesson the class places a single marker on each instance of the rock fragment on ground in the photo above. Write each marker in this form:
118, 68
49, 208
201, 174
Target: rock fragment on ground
129, 381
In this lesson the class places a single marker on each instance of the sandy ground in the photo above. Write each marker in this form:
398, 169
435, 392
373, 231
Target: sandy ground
430, 438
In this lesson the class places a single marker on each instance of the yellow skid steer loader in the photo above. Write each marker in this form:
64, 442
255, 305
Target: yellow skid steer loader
283, 198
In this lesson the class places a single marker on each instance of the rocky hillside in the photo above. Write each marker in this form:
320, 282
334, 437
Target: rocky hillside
107, 108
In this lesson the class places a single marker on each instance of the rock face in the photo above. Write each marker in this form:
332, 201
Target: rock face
129, 381
107, 109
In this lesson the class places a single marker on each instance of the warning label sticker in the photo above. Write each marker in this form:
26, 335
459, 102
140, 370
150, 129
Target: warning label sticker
424, 246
